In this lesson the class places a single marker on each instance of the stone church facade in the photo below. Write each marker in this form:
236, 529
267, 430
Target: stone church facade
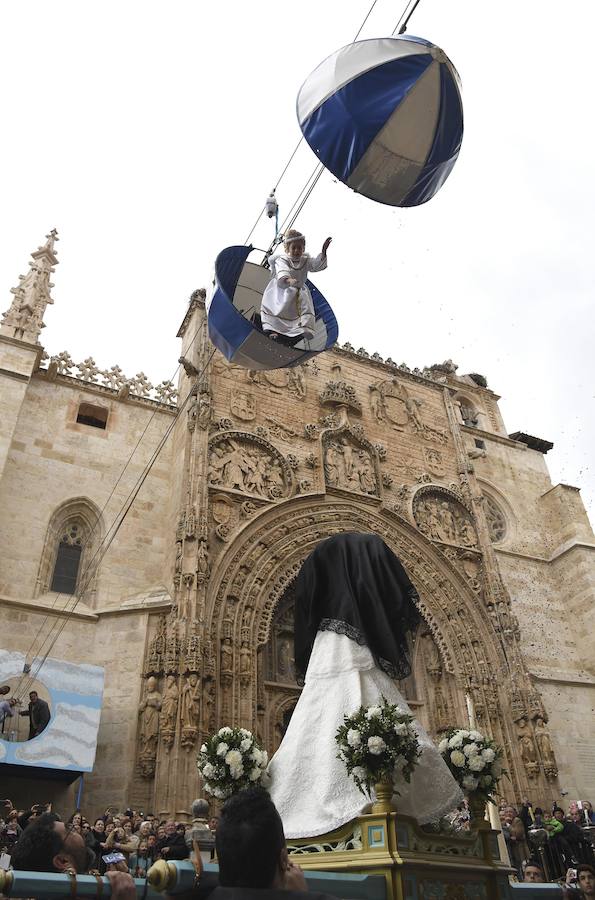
157, 531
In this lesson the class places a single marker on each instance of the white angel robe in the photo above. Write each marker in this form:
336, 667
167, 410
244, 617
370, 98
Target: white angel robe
309, 786
286, 309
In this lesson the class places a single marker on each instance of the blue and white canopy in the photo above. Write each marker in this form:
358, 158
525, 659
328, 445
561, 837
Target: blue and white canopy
235, 305
385, 117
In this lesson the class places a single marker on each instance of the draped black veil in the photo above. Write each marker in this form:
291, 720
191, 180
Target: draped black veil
354, 584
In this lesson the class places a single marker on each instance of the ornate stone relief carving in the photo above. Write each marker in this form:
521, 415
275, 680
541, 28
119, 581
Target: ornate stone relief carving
339, 393
242, 405
247, 463
434, 460
390, 401
293, 379
149, 728
350, 463
442, 517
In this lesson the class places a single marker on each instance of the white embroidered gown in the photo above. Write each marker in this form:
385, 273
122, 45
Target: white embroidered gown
285, 309
310, 786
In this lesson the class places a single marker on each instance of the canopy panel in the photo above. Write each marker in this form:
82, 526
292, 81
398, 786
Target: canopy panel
239, 286
385, 117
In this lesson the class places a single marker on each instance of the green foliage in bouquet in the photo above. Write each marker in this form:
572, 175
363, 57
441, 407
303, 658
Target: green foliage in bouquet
231, 760
378, 742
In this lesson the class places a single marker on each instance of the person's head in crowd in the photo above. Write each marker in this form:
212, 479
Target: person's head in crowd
127, 826
117, 820
250, 844
86, 828
181, 828
150, 817
144, 828
213, 823
48, 845
99, 826
533, 874
109, 827
559, 814
160, 831
169, 828
509, 814
33, 696
151, 841
143, 847
585, 879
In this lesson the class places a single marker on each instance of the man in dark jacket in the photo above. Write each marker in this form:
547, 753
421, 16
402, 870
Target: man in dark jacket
173, 845
39, 714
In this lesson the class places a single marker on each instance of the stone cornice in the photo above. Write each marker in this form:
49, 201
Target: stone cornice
493, 436
101, 390
48, 607
577, 545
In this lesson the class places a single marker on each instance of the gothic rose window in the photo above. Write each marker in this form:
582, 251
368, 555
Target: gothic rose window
68, 560
495, 518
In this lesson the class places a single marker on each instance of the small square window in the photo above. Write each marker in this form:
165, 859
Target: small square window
95, 416
481, 445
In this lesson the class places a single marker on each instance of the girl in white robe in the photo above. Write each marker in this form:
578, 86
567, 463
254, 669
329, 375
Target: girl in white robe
354, 608
287, 310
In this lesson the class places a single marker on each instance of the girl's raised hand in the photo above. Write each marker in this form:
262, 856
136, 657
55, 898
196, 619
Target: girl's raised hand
326, 245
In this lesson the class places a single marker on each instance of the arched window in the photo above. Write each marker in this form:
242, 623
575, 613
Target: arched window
495, 518
73, 536
68, 560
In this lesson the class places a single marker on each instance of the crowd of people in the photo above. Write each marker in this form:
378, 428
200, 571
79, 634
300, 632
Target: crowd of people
130, 841
543, 848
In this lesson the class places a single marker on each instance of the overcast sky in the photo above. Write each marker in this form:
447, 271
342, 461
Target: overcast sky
149, 135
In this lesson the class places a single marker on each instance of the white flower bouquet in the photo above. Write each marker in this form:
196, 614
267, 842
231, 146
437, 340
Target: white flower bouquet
231, 760
474, 760
378, 743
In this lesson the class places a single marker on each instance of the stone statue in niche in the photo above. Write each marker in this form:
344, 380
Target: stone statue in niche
350, 467
444, 520
190, 702
226, 657
209, 705
245, 659
527, 748
248, 469
202, 560
149, 728
169, 706
545, 749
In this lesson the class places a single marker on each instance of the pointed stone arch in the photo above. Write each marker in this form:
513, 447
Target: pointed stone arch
250, 578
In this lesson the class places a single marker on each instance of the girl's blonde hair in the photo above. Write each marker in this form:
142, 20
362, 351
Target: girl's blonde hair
291, 236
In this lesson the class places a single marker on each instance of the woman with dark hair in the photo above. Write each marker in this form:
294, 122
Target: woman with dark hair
354, 610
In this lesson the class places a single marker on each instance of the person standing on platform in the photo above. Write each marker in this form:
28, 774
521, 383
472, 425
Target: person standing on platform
39, 715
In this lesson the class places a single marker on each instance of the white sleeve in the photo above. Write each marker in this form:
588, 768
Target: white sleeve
318, 263
282, 271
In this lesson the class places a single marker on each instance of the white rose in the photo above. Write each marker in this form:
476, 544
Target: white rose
443, 745
236, 772
354, 738
456, 740
401, 729
222, 749
203, 749
255, 756
400, 711
245, 744
476, 763
245, 733
476, 736
224, 732
488, 754
470, 783
208, 771
233, 759
457, 758
464, 733
359, 772
217, 792
376, 745
470, 750
255, 774
373, 711
208, 787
